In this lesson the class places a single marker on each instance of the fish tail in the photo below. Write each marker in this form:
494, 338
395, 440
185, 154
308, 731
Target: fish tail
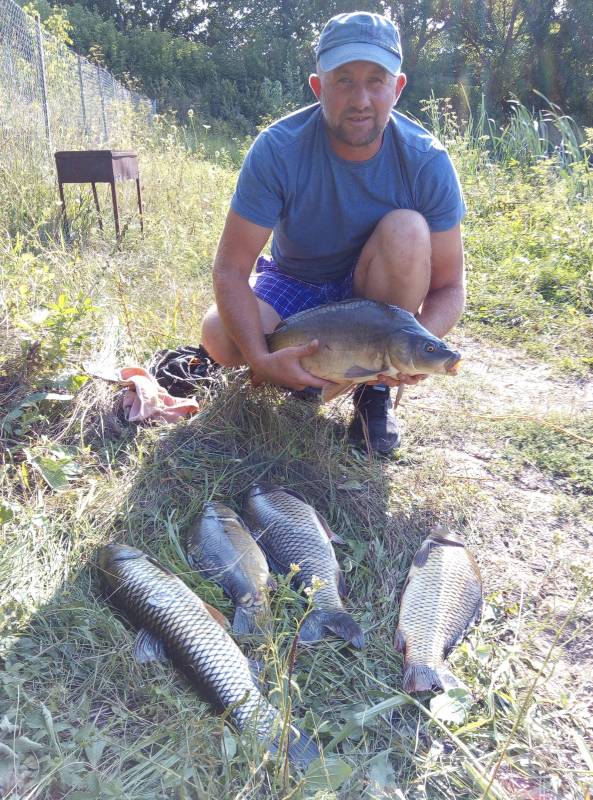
318, 623
302, 750
420, 678
248, 622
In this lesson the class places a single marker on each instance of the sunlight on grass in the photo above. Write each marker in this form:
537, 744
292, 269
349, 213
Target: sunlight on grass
78, 717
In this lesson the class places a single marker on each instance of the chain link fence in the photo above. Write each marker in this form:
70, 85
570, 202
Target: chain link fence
53, 99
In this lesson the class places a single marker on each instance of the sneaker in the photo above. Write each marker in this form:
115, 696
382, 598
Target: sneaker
374, 424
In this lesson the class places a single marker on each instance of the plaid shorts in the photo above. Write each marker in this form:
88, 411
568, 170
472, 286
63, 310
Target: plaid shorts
289, 295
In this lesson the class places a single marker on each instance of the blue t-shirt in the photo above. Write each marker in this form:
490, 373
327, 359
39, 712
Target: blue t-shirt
323, 208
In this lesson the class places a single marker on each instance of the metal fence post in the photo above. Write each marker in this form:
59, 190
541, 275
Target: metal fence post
42, 81
82, 104
102, 102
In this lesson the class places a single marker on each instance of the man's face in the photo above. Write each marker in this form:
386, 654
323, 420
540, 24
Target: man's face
357, 99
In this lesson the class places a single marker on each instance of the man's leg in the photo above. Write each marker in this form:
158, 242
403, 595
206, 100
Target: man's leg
220, 345
394, 267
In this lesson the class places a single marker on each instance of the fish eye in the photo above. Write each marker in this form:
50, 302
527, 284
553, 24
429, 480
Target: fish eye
430, 348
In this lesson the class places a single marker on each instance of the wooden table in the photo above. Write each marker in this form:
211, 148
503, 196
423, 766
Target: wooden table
98, 166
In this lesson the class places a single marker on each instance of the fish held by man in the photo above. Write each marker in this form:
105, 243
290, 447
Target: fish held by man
290, 531
362, 339
442, 598
175, 625
220, 547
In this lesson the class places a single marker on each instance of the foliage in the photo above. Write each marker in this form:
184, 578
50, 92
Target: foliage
216, 58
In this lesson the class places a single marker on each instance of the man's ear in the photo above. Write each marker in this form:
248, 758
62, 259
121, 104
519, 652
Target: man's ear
399, 85
315, 84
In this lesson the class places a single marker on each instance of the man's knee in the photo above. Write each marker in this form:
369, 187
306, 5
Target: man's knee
403, 227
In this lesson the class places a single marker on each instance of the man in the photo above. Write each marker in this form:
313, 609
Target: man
361, 202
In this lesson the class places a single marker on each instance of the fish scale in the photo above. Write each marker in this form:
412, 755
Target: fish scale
441, 599
162, 605
358, 340
291, 532
193, 639
223, 550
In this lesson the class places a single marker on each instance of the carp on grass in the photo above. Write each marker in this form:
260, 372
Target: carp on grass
290, 531
360, 340
175, 624
221, 548
442, 598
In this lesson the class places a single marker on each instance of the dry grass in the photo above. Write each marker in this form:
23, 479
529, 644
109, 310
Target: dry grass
500, 453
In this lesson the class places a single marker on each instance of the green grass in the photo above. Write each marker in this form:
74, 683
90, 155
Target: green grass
80, 719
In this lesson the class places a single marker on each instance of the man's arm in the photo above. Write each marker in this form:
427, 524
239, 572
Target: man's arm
240, 245
445, 300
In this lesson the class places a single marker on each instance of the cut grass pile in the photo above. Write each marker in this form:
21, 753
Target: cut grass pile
80, 719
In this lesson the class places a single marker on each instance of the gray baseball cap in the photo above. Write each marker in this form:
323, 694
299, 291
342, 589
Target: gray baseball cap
359, 36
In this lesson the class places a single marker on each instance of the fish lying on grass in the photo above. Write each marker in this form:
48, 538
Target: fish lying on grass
291, 532
222, 549
442, 598
174, 624
360, 340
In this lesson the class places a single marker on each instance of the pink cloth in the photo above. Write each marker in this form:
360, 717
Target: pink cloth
145, 399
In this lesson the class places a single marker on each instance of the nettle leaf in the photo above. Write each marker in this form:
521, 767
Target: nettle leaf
451, 706
381, 773
327, 774
228, 744
94, 750
57, 472
7, 512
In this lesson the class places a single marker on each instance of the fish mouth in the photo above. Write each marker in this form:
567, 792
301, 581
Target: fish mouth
452, 364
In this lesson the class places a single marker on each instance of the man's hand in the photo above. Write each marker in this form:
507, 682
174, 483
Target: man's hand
283, 368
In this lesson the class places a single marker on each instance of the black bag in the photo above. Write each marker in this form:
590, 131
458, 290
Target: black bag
181, 371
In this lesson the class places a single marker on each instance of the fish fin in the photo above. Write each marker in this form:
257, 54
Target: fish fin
446, 542
243, 622
257, 671
400, 641
399, 395
356, 371
421, 556
149, 647
420, 678
334, 390
319, 622
333, 537
293, 493
458, 635
159, 598
302, 750
264, 487
217, 615
342, 588
277, 566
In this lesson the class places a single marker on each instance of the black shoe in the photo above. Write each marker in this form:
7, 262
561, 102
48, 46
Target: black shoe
374, 424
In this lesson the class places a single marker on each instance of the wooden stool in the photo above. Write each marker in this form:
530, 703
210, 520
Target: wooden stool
98, 166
